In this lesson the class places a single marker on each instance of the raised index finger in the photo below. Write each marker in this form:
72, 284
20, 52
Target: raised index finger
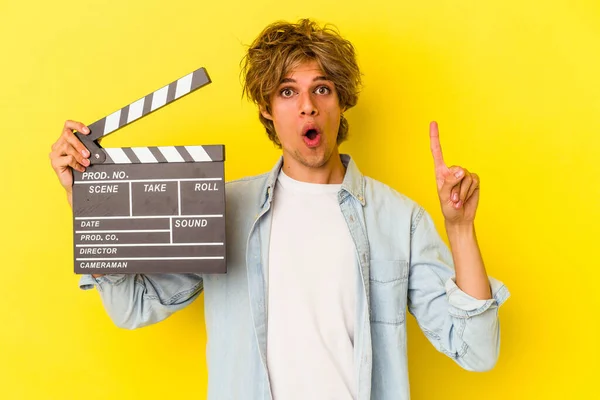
436, 148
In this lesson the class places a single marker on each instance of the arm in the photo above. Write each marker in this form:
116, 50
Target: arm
456, 309
470, 271
459, 325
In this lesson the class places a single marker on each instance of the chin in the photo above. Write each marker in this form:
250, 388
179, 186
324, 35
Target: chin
314, 160
314, 163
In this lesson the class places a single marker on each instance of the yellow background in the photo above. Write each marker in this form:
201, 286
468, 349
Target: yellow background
514, 85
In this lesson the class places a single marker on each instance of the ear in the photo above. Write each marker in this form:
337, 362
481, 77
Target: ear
265, 113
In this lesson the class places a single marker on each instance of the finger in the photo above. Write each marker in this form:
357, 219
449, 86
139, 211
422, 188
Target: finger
451, 181
455, 194
60, 143
72, 140
60, 147
436, 147
474, 186
77, 126
78, 155
62, 162
465, 186
65, 149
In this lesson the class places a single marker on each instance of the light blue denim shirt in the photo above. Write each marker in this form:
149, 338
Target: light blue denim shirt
402, 262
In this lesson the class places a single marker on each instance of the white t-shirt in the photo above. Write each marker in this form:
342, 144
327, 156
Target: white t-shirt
311, 280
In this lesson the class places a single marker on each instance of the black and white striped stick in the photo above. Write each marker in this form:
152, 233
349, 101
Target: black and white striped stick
163, 154
138, 109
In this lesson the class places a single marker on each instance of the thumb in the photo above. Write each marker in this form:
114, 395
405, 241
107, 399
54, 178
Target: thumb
452, 180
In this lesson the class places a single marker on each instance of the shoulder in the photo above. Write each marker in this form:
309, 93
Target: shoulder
247, 182
387, 200
377, 192
247, 189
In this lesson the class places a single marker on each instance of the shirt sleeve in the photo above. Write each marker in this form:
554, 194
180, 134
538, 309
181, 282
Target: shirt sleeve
136, 300
462, 305
462, 327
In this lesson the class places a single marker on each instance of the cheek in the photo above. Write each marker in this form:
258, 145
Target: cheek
330, 107
281, 125
333, 118
282, 116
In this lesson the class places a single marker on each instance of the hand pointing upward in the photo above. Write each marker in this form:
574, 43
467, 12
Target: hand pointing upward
458, 189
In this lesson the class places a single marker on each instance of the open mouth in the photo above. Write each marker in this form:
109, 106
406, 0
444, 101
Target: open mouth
311, 134
312, 137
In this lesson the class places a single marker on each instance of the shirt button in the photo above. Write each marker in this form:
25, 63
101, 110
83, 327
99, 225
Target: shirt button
351, 218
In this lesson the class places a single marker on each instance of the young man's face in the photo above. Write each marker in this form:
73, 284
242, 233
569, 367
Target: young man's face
306, 114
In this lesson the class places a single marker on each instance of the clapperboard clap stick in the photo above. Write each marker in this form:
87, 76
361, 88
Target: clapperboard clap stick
149, 209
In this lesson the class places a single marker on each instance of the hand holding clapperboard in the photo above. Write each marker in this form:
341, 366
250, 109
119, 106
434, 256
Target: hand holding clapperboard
149, 209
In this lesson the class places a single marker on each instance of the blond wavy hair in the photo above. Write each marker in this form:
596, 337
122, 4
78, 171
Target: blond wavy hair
281, 47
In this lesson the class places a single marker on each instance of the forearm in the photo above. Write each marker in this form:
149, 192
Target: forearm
471, 276
454, 306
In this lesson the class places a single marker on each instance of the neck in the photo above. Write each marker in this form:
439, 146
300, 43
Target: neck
332, 172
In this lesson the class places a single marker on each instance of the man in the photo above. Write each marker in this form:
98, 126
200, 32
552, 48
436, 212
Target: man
322, 261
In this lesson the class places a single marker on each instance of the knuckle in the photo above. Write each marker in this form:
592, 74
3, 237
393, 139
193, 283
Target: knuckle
57, 163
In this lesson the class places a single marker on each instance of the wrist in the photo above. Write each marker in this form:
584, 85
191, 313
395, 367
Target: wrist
459, 231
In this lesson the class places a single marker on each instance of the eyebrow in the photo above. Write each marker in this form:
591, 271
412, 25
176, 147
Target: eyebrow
317, 78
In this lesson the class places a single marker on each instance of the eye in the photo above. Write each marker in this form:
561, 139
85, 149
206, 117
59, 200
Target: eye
286, 92
323, 90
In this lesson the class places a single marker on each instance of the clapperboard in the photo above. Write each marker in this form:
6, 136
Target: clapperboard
150, 209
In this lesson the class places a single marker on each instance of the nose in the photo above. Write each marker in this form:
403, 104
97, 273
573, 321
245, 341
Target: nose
307, 105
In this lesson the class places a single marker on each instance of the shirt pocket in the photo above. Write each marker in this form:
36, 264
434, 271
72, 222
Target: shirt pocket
388, 285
